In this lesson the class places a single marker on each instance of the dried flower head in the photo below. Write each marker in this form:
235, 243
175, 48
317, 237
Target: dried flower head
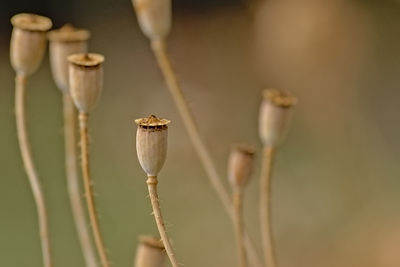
28, 42
64, 42
151, 143
240, 165
150, 252
274, 117
154, 17
85, 80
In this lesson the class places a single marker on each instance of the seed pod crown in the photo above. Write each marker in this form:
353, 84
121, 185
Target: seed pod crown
240, 165
154, 17
275, 115
151, 143
150, 252
28, 42
85, 79
64, 42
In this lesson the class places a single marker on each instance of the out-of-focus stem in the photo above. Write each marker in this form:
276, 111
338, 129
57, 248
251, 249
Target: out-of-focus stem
152, 186
24, 145
239, 226
265, 207
87, 180
161, 54
73, 183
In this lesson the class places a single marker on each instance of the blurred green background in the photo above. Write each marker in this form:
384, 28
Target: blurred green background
335, 188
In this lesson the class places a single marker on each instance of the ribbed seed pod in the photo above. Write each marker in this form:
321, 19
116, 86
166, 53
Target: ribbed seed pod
151, 143
28, 42
85, 80
150, 252
64, 42
240, 165
154, 17
274, 117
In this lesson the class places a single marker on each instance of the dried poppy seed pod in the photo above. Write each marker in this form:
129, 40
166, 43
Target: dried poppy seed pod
274, 117
28, 42
150, 252
154, 17
240, 165
64, 42
151, 143
85, 80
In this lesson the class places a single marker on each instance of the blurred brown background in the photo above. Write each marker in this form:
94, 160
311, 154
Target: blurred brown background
336, 181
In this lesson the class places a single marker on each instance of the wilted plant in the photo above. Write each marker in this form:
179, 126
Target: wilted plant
274, 119
27, 48
86, 83
151, 147
240, 165
64, 42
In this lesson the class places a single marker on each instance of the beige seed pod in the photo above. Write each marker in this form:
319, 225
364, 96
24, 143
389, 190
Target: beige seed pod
240, 165
154, 17
28, 42
64, 42
274, 117
85, 80
150, 252
151, 143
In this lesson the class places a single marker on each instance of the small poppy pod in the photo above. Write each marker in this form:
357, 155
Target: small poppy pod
154, 17
151, 143
150, 252
240, 165
274, 117
85, 80
28, 42
64, 42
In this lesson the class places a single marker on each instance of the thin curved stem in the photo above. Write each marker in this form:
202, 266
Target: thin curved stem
87, 180
74, 189
239, 226
152, 186
24, 145
161, 54
265, 206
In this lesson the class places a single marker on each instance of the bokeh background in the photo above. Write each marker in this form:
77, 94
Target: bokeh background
336, 180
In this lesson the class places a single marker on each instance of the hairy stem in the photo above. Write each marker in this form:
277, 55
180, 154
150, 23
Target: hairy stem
152, 186
87, 181
265, 207
239, 226
24, 145
74, 190
160, 51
